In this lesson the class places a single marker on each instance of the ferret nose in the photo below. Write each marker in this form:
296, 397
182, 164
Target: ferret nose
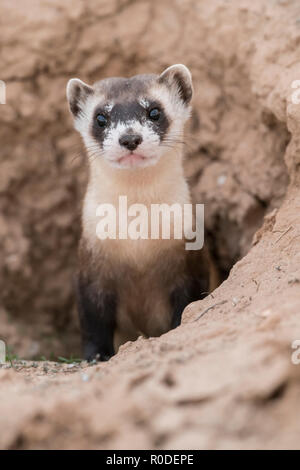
130, 141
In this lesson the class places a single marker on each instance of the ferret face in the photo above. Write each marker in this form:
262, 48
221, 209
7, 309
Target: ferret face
131, 123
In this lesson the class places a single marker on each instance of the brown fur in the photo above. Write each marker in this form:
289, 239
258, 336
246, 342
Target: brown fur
143, 291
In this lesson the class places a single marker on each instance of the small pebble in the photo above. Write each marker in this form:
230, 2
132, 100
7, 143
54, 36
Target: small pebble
221, 180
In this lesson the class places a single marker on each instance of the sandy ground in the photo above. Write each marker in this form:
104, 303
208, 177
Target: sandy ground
223, 379
227, 377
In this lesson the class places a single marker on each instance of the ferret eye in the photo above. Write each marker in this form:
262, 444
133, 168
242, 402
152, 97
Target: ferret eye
154, 114
101, 120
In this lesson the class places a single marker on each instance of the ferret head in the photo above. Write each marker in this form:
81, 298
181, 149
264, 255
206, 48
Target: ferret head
132, 122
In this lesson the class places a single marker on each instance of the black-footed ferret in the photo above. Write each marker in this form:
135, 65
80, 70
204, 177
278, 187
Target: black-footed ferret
132, 129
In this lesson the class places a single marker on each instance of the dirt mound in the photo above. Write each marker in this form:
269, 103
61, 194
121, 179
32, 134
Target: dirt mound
224, 378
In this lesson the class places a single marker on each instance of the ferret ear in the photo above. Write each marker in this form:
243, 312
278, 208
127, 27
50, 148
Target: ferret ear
77, 93
179, 78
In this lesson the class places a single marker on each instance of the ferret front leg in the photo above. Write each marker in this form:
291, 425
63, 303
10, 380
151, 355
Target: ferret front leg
190, 291
180, 298
97, 314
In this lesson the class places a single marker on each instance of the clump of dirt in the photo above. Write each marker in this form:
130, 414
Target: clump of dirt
224, 378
